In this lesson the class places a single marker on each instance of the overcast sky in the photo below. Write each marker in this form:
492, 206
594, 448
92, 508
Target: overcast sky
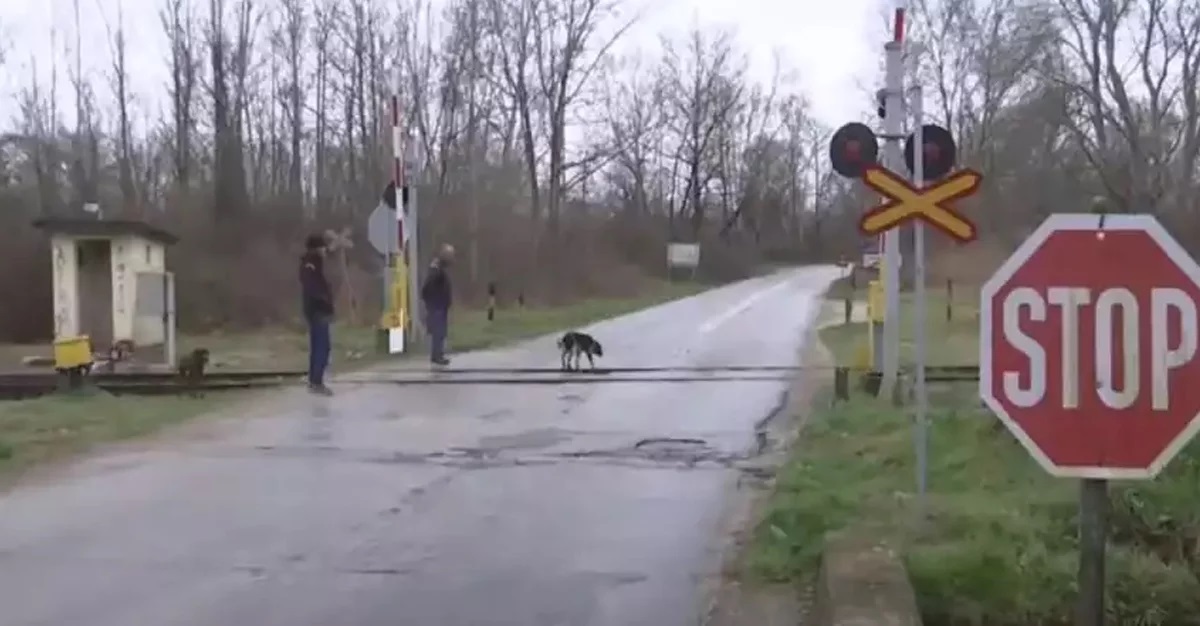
834, 46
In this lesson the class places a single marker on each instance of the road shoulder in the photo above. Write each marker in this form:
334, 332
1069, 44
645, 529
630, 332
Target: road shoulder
732, 599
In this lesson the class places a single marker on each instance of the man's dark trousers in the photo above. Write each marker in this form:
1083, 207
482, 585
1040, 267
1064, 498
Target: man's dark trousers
437, 321
318, 348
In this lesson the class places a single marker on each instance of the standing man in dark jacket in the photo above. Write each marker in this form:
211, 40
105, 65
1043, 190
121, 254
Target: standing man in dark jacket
436, 296
318, 311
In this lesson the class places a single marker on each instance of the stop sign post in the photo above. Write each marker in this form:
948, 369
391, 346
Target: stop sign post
1088, 354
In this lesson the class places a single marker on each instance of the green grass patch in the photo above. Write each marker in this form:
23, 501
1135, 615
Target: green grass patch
471, 330
999, 547
951, 325
55, 427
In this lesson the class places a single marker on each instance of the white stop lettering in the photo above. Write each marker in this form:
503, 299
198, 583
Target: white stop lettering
1165, 302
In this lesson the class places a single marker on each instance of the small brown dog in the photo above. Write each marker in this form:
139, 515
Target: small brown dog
120, 351
191, 369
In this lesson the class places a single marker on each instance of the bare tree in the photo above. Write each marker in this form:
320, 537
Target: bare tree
230, 63
293, 35
1132, 142
120, 86
567, 52
85, 144
325, 16
184, 66
510, 28
704, 83
635, 115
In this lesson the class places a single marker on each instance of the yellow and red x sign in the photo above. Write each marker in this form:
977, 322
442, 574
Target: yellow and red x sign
906, 202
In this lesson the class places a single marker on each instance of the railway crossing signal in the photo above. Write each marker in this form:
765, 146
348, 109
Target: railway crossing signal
930, 203
855, 147
939, 151
852, 149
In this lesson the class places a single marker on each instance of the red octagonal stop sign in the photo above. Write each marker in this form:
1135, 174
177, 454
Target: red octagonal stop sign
1088, 346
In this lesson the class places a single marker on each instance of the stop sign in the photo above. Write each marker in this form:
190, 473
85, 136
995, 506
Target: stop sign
1088, 337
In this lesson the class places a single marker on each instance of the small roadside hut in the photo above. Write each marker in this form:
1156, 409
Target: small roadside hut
111, 283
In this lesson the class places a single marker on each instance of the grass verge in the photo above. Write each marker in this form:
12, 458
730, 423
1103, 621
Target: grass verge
999, 547
57, 427
951, 322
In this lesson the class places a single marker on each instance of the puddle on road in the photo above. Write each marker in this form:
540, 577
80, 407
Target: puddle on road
493, 416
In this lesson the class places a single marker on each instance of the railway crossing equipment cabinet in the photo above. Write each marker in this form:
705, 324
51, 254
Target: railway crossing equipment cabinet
111, 285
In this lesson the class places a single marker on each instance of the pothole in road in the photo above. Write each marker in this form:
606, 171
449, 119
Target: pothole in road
673, 448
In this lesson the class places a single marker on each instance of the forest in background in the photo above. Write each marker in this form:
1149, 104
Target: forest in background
557, 166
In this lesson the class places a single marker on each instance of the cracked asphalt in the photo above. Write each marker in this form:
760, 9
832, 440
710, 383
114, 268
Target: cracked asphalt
590, 504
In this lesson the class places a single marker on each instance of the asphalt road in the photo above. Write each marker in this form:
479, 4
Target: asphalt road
444, 505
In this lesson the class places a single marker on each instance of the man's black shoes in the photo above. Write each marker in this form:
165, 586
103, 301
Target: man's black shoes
320, 390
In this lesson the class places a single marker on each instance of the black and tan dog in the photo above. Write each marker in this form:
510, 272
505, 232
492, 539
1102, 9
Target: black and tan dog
574, 345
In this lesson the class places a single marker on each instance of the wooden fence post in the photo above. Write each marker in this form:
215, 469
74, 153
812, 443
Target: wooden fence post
949, 300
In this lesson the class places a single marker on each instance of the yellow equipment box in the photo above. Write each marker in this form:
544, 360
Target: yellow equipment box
70, 352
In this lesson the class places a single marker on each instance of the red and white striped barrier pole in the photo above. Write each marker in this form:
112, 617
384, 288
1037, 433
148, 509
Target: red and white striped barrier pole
398, 169
406, 216
898, 23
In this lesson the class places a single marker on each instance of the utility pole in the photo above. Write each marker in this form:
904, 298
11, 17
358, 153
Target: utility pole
919, 333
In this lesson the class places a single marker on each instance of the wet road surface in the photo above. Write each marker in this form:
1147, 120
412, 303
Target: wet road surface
442, 505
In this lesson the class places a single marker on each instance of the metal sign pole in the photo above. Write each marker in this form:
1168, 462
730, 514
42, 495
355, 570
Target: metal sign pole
922, 392
893, 128
1093, 536
385, 301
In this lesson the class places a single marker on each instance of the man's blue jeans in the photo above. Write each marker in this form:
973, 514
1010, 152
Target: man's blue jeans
318, 348
437, 322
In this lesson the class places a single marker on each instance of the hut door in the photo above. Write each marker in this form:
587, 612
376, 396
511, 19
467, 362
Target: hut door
95, 293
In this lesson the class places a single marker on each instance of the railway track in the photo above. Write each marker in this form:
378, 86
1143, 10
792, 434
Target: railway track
20, 385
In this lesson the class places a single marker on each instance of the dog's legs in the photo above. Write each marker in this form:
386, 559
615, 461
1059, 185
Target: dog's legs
590, 361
